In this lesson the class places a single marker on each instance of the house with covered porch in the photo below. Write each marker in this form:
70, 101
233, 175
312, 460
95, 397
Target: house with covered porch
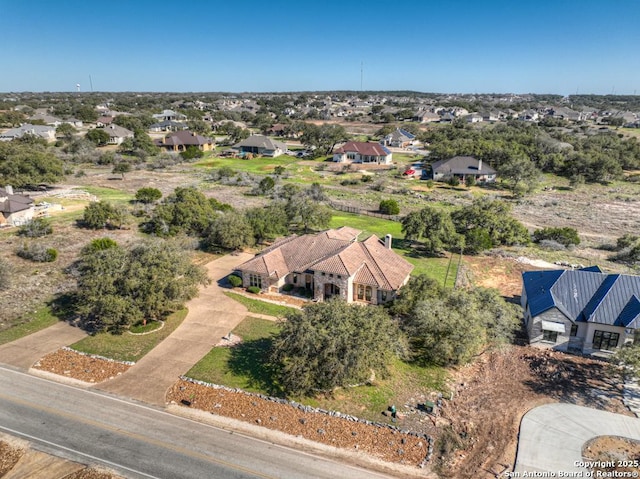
330, 263
583, 310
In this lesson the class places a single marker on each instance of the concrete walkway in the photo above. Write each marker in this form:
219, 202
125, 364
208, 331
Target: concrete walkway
631, 396
24, 352
552, 436
211, 315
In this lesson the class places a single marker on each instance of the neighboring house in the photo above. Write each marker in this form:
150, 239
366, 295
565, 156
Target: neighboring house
181, 140
426, 117
363, 152
104, 121
399, 139
42, 131
260, 145
583, 310
460, 167
15, 210
169, 115
474, 118
168, 125
331, 263
117, 134
47, 119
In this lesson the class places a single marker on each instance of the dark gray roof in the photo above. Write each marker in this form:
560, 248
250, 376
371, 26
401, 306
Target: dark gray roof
261, 141
462, 165
10, 203
585, 295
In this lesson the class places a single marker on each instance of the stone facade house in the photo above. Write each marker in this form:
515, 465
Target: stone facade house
461, 167
399, 139
330, 263
583, 310
117, 134
362, 152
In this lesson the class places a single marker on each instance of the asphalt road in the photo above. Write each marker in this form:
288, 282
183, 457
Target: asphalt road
138, 441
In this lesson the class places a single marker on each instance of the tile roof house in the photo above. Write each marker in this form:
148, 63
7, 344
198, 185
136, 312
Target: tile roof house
330, 263
362, 152
584, 310
45, 132
168, 125
181, 140
15, 210
260, 145
399, 139
460, 167
104, 121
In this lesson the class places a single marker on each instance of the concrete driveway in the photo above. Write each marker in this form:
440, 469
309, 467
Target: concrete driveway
211, 316
552, 436
24, 352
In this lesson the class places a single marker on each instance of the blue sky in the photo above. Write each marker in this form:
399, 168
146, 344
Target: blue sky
463, 46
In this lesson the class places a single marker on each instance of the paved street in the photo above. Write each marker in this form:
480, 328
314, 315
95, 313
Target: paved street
143, 442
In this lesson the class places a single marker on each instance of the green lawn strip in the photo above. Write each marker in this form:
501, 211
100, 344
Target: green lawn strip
111, 195
242, 366
368, 224
41, 318
128, 347
254, 165
261, 307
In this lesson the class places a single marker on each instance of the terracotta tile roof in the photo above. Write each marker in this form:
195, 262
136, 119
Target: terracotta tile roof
334, 252
364, 148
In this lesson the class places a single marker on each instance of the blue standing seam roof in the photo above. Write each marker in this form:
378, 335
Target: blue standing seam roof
386, 150
629, 317
538, 285
411, 136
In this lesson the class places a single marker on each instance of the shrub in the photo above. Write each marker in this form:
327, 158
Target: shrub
253, 289
366, 178
389, 207
37, 253
469, 181
565, 236
35, 228
148, 195
429, 184
287, 287
234, 280
453, 181
626, 241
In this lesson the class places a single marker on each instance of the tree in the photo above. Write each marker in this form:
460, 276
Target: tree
266, 185
521, 173
148, 195
433, 228
24, 165
102, 214
333, 344
307, 213
419, 288
186, 210
191, 153
35, 228
66, 131
230, 231
118, 287
389, 207
121, 167
321, 139
565, 235
269, 222
98, 137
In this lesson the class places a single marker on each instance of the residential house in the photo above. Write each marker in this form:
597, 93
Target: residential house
474, 118
582, 310
363, 152
260, 145
15, 210
104, 121
169, 115
181, 140
168, 125
460, 167
117, 134
426, 117
330, 263
399, 139
42, 131
46, 119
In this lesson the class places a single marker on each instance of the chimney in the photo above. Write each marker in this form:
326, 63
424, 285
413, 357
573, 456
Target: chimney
479, 165
387, 241
9, 189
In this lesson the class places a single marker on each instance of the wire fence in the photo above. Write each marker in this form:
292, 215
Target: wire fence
359, 211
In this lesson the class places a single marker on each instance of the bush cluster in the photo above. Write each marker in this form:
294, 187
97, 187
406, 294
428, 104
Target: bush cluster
234, 280
37, 253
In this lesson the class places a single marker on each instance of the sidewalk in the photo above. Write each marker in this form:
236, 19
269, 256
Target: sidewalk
211, 316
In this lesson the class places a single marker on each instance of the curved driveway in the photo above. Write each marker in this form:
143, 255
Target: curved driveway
552, 436
211, 315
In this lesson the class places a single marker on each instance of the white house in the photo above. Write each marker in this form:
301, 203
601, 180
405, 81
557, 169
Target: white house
362, 152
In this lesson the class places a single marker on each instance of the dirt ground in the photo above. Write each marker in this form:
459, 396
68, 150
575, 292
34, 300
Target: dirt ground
623, 452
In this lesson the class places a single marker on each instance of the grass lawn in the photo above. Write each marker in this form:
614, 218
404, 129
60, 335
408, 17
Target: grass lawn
112, 195
255, 165
433, 267
128, 347
243, 365
261, 307
43, 317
